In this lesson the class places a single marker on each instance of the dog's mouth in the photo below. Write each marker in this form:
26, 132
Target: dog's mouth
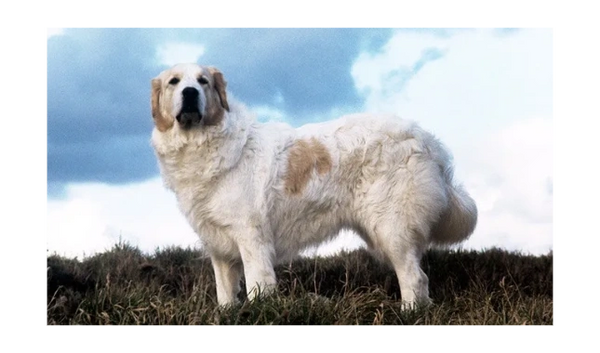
189, 117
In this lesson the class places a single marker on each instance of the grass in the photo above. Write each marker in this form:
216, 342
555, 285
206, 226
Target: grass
175, 286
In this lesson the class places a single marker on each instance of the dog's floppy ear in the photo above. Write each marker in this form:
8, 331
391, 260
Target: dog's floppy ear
220, 86
162, 123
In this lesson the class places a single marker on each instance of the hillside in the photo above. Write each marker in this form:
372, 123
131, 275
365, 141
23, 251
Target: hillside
176, 286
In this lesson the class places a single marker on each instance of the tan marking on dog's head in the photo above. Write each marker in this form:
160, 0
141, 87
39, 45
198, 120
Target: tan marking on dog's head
167, 95
162, 120
220, 86
304, 157
216, 97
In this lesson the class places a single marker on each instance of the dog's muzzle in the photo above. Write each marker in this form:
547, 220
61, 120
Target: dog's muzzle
190, 113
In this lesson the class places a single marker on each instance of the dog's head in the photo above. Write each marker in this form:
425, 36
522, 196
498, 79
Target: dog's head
189, 95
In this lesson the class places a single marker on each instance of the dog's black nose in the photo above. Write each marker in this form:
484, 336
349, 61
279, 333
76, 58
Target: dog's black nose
189, 93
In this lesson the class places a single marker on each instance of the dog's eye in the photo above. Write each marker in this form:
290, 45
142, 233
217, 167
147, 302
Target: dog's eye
174, 81
202, 80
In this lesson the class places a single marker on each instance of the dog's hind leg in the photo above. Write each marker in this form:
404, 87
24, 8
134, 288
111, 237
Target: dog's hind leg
404, 247
402, 213
227, 277
402, 240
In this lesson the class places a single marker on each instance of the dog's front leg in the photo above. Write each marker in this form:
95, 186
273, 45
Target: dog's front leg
227, 277
258, 258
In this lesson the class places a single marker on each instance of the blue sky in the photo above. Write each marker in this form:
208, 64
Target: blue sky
486, 93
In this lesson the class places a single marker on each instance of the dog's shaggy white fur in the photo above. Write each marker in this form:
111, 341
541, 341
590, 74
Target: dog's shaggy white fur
257, 194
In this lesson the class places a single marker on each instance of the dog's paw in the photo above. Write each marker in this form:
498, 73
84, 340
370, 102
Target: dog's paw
422, 303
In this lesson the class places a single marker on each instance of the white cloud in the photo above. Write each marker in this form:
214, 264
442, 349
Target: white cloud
346, 240
482, 81
269, 113
174, 53
55, 32
76, 227
510, 176
94, 216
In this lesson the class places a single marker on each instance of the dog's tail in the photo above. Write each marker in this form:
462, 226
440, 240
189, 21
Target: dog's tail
458, 220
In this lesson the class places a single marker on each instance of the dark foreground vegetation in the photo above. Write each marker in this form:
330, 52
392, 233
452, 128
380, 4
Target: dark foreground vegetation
124, 286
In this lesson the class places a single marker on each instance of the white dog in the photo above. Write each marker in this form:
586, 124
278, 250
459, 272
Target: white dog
257, 194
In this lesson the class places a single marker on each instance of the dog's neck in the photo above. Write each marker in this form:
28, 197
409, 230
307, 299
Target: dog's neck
210, 150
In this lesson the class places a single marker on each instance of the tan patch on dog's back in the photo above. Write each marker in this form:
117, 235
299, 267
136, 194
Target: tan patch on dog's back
303, 158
